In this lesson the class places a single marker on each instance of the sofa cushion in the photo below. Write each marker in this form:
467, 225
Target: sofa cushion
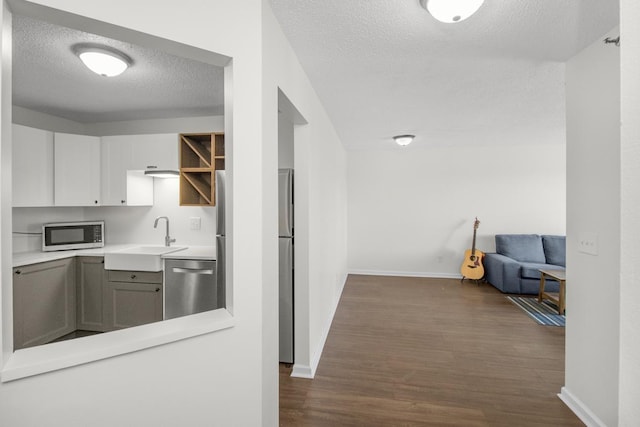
531, 270
521, 247
555, 250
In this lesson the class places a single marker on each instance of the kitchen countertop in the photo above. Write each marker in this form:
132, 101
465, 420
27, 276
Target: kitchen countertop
206, 253
26, 258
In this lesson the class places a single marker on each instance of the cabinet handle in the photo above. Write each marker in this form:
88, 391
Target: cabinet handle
122, 201
133, 276
95, 201
157, 289
18, 272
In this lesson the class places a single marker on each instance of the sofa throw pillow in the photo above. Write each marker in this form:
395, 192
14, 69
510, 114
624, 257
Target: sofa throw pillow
521, 247
555, 250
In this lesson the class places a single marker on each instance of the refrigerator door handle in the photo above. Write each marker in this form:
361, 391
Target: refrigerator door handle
221, 277
219, 184
285, 202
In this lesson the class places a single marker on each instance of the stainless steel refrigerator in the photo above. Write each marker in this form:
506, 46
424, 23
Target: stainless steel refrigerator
286, 265
285, 242
220, 237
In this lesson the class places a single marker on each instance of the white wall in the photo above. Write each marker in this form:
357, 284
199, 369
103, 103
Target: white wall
214, 379
593, 205
135, 224
152, 126
36, 119
230, 377
629, 390
411, 209
30, 220
124, 224
6, 272
320, 196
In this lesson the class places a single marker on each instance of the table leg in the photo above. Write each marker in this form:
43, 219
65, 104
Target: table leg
541, 291
561, 297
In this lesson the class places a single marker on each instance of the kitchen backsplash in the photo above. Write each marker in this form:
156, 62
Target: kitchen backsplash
30, 220
124, 224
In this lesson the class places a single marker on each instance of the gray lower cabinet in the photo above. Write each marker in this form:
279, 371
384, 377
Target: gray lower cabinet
55, 298
90, 288
132, 298
44, 302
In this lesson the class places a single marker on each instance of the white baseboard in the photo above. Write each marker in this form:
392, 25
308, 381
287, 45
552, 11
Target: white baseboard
304, 371
580, 409
406, 274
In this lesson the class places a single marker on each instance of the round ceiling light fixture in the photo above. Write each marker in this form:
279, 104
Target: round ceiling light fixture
103, 60
403, 140
450, 11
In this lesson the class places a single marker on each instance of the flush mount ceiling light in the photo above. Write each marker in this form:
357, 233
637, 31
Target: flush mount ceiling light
451, 11
403, 139
103, 60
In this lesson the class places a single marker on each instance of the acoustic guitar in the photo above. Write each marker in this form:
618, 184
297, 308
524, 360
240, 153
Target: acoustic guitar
472, 265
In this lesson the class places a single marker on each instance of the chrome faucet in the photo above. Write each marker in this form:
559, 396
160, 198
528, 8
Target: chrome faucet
167, 239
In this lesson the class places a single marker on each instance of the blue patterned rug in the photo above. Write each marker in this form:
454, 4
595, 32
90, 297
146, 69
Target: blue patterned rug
545, 313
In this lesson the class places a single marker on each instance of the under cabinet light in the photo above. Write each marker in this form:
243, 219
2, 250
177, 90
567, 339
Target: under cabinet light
156, 173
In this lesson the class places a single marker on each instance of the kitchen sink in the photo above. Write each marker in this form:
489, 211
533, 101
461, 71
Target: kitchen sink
138, 258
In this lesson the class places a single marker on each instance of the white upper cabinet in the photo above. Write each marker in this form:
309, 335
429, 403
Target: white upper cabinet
121, 184
62, 169
115, 158
159, 150
32, 167
76, 170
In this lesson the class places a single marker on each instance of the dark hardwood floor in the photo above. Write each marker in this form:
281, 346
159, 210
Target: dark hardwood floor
430, 352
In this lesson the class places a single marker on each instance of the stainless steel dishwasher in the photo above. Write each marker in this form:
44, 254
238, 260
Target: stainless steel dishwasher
190, 287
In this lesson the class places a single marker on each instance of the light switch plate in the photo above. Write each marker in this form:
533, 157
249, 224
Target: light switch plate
588, 243
194, 223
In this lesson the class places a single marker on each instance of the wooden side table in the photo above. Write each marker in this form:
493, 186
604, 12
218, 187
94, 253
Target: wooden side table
561, 278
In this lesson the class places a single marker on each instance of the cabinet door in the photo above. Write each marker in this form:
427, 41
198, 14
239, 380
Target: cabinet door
115, 159
158, 150
139, 189
76, 170
44, 306
132, 304
32, 167
121, 185
90, 284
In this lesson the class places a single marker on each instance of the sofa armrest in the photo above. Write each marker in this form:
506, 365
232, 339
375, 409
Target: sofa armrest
502, 272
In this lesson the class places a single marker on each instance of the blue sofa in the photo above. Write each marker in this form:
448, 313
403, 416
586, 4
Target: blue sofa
513, 269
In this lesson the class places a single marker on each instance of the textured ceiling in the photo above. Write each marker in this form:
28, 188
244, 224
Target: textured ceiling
49, 78
386, 67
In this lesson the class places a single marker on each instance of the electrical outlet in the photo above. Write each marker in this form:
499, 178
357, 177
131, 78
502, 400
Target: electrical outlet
588, 243
194, 223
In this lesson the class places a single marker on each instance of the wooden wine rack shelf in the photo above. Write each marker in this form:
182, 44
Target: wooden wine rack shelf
201, 154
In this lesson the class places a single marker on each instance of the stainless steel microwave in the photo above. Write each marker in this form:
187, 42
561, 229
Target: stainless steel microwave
62, 236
